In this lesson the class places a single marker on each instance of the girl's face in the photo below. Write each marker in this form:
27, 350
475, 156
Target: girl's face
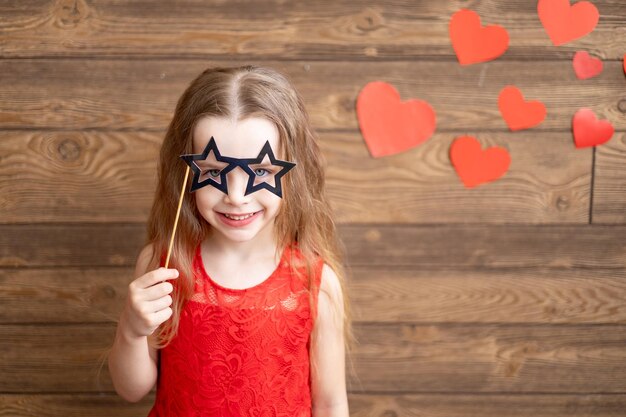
235, 216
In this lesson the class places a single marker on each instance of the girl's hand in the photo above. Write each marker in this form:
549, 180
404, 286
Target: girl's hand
148, 302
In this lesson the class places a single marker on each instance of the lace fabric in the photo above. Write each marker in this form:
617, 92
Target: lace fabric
241, 352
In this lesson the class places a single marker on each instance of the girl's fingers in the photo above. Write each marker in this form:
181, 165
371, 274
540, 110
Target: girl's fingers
159, 304
156, 276
160, 316
157, 291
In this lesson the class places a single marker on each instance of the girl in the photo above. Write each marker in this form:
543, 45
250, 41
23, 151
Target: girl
251, 319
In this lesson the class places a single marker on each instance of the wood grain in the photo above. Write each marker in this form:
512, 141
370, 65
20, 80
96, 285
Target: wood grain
287, 29
70, 245
470, 358
393, 246
126, 94
391, 358
361, 405
481, 405
72, 405
377, 295
74, 176
63, 295
609, 183
504, 300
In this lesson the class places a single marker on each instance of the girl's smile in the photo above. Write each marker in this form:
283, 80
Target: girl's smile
238, 220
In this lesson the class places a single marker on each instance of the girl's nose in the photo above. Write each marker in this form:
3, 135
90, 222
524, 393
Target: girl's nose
237, 181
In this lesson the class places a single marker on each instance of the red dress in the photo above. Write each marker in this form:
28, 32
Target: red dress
240, 352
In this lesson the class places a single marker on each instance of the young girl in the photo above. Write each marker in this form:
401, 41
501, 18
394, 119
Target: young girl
251, 318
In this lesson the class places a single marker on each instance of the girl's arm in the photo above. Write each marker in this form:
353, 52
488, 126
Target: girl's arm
132, 362
328, 379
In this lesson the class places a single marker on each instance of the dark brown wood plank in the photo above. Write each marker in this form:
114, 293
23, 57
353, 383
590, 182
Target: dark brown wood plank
479, 246
481, 405
74, 176
393, 247
609, 182
73, 405
292, 29
389, 358
121, 94
361, 405
71, 245
488, 296
464, 358
77, 176
380, 295
63, 294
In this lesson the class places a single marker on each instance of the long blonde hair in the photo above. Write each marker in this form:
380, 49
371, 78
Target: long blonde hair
305, 215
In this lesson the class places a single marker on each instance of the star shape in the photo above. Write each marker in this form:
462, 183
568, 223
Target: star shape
210, 147
243, 163
285, 167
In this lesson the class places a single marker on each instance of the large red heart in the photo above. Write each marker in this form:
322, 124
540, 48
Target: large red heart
565, 23
476, 166
589, 131
390, 126
518, 113
586, 66
473, 43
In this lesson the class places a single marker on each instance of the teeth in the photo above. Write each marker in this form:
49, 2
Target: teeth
230, 216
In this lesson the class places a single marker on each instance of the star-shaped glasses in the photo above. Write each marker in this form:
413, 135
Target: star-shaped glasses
211, 168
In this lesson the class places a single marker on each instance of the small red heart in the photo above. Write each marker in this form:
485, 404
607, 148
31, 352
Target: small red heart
518, 113
589, 131
565, 22
473, 43
586, 66
390, 126
476, 166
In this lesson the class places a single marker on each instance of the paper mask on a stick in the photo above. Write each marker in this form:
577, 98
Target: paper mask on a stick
211, 168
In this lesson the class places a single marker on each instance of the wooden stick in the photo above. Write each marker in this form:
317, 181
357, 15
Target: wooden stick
180, 204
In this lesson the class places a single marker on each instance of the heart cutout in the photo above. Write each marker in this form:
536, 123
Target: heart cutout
476, 166
518, 113
586, 66
389, 125
565, 22
589, 131
474, 43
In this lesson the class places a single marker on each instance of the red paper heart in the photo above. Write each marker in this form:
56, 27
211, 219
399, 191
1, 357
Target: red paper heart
473, 43
565, 22
518, 113
476, 166
588, 130
586, 66
390, 126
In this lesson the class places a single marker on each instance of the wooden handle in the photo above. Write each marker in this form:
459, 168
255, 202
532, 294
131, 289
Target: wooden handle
180, 204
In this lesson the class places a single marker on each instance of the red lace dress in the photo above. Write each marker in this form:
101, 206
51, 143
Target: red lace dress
240, 352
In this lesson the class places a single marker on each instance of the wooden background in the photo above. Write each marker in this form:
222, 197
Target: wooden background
504, 300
